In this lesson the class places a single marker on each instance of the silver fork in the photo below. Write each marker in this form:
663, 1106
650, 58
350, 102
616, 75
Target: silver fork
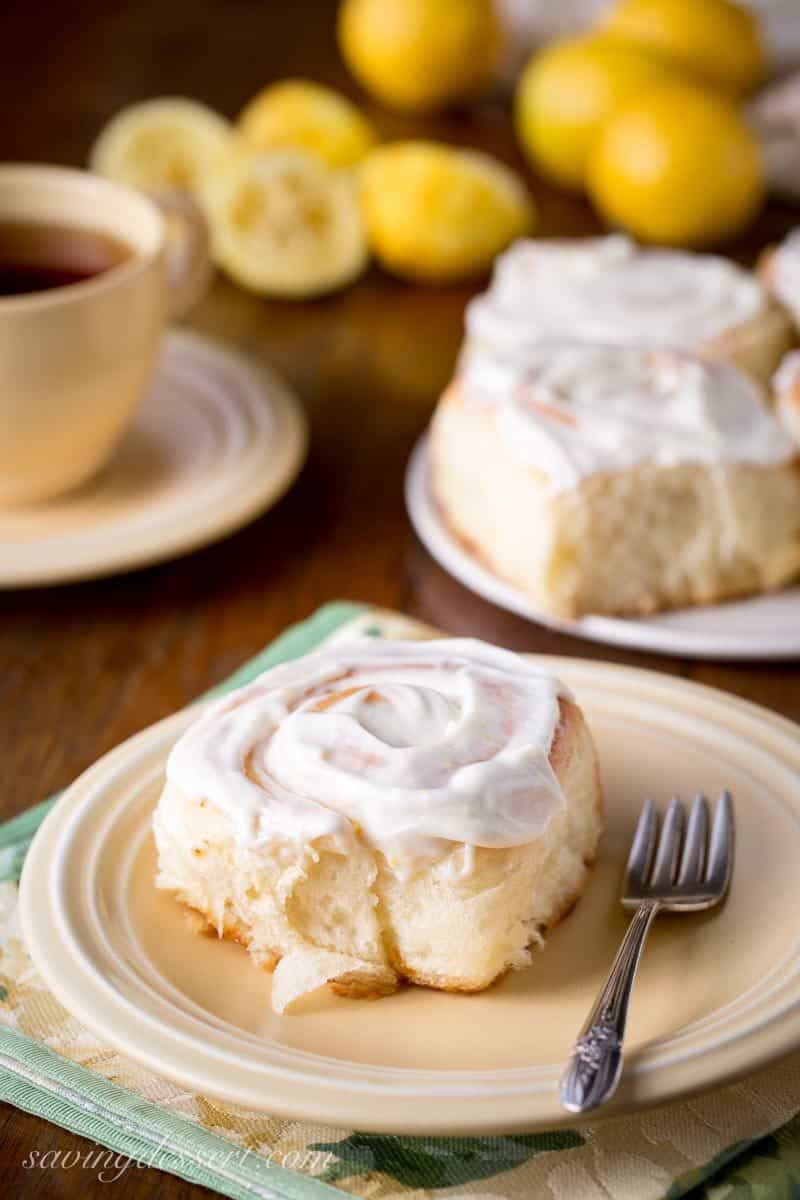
701, 882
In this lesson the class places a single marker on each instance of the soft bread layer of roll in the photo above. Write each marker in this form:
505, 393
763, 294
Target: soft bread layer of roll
629, 542
347, 919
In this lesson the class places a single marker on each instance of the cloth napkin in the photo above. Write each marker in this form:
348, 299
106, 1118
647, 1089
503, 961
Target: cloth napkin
739, 1142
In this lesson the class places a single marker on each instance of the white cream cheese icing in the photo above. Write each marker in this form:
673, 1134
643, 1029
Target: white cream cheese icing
609, 290
402, 742
573, 409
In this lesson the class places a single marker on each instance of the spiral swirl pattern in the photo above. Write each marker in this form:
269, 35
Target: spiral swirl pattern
400, 743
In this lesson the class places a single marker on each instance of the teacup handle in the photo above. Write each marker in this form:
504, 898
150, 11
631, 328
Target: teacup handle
187, 253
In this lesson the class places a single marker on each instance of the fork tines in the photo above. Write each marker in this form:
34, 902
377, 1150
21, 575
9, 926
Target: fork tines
686, 870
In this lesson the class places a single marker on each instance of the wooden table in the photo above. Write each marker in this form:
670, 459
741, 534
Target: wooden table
83, 667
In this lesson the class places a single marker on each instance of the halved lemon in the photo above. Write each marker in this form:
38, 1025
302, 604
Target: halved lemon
284, 224
170, 142
436, 213
299, 115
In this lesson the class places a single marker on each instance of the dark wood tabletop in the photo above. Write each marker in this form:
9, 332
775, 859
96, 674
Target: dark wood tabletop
84, 666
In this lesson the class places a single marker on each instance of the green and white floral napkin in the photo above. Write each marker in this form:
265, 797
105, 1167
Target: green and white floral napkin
740, 1142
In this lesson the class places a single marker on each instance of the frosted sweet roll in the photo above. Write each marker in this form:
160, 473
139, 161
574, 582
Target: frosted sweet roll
389, 810
615, 479
609, 290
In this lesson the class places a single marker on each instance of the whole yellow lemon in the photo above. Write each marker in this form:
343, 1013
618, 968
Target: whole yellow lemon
297, 114
713, 39
678, 166
434, 213
566, 93
419, 55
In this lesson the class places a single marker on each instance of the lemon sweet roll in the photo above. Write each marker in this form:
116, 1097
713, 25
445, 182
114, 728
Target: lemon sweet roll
384, 811
610, 290
617, 478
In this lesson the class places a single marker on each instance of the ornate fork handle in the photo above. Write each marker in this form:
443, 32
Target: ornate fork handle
596, 1063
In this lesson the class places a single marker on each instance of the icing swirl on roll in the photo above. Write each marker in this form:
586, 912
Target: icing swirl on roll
402, 743
608, 290
572, 410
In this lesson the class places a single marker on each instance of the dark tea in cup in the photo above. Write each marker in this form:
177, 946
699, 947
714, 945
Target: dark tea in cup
37, 255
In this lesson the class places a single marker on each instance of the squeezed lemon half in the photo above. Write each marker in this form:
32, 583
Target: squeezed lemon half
284, 224
169, 142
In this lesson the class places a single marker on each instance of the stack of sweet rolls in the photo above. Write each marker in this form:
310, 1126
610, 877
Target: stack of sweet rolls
609, 443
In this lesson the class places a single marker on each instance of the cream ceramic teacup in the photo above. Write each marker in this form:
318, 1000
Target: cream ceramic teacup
75, 360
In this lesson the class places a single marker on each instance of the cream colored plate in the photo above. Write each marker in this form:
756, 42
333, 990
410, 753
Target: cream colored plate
217, 440
718, 994
760, 627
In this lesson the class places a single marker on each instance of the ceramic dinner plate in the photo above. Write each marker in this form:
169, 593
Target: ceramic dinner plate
216, 441
718, 993
762, 627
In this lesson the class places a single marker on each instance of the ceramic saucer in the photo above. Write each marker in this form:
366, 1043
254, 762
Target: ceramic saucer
217, 440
